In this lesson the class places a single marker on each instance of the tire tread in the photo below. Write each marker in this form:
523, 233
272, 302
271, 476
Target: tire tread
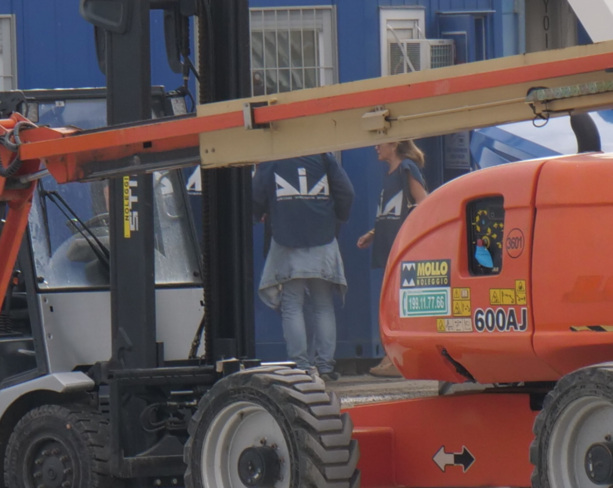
597, 377
328, 456
90, 425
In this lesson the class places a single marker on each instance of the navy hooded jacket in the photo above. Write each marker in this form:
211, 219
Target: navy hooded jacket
304, 198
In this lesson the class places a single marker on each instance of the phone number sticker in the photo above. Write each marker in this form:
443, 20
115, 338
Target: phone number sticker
428, 302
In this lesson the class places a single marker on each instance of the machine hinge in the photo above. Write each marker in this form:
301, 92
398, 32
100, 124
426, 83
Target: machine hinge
377, 120
249, 119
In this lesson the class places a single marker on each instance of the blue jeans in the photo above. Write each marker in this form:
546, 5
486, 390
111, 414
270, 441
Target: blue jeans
321, 323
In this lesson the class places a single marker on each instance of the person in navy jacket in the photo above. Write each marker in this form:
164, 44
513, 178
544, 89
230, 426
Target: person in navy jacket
404, 187
304, 199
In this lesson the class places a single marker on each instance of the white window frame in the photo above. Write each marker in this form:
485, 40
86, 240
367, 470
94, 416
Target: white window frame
327, 40
8, 53
387, 14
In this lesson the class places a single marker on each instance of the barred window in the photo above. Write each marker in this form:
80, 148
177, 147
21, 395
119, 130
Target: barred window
292, 49
8, 53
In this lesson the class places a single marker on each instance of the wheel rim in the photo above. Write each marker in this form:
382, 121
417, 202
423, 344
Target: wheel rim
237, 428
582, 424
49, 465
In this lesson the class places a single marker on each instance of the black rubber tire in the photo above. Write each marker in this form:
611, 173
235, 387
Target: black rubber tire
322, 453
72, 438
587, 382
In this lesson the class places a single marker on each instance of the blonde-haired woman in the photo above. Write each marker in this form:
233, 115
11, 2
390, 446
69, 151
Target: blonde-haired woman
404, 187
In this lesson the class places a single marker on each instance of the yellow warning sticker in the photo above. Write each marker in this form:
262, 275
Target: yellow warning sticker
508, 297
461, 302
126, 208
454, 325
502, 296
520, 292
461, 293
461, 308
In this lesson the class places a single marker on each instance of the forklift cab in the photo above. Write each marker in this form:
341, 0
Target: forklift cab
57, 315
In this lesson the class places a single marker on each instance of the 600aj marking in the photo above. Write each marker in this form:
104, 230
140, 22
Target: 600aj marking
501, 320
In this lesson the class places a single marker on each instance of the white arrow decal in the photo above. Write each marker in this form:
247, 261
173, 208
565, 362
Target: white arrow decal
444, 459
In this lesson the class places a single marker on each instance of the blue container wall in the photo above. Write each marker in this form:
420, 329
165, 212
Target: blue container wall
55, 46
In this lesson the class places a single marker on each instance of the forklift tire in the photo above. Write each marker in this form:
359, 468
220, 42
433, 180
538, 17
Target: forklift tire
271, 427
573, 445
57, 446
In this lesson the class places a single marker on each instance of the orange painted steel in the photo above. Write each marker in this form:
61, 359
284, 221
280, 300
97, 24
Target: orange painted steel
10, 240
563, 209
66, 151
7, 124
82, 149
7, 156
572, 277
459, 84
134, 135
399, 441
19, 204
414, 343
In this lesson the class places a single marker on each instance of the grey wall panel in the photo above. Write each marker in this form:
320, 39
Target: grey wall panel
77, 326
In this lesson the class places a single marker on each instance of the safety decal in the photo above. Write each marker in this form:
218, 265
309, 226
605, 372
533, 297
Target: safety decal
443, 459
502, 296
126, 207
520, 292
461, 302
501, 320
425, 274
514, 243
509, 296
592, 328
425, 302
130, 214
454, 325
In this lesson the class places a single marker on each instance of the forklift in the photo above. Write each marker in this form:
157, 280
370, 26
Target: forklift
118, 334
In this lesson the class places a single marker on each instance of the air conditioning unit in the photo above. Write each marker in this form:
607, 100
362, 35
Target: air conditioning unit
423, 54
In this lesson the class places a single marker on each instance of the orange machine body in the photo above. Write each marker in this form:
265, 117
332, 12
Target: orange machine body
467, 440
548, 308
